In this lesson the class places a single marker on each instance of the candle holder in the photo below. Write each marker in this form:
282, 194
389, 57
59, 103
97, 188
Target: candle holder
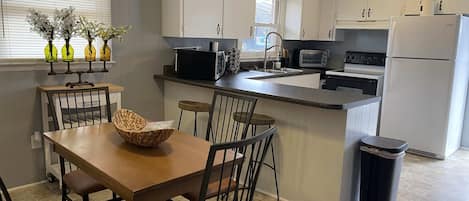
80, 81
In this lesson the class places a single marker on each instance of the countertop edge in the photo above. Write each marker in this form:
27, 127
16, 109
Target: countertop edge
277, 98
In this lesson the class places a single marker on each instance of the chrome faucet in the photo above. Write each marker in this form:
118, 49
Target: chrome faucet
268, 48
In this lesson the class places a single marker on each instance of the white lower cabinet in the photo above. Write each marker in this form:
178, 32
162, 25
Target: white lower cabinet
306, 81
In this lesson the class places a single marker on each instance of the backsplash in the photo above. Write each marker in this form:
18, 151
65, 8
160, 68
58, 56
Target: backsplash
204, 43
356, 40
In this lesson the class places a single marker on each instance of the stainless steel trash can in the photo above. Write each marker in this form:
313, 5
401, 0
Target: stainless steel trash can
381, 164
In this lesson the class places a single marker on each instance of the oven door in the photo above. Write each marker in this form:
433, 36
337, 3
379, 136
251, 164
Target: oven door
353, 84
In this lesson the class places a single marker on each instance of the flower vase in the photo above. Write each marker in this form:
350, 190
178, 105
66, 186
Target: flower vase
105, 52
90, 52
50, 53
67, 52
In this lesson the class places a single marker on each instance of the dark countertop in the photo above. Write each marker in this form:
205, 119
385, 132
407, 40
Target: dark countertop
241, 83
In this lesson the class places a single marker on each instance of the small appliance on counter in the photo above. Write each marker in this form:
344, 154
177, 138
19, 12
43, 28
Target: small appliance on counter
363, 73
313, 58
200, 65
176, 54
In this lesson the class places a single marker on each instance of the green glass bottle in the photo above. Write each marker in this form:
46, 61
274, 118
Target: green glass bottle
50, 53
67, 52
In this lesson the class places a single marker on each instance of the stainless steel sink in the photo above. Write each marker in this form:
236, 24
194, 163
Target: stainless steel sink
280, 71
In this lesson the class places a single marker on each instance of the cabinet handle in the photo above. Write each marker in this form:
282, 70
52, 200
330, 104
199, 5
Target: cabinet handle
251, 31
303, 35
218, 29
330, 33
440, 7
369, 12
363, 13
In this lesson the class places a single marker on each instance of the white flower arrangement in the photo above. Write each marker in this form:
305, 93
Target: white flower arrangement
110, 32
41, 24
88, 29
67, 23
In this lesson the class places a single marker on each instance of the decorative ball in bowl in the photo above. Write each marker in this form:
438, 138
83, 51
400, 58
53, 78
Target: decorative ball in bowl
134, 129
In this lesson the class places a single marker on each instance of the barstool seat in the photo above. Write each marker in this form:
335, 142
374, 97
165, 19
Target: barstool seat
257, 119
194, 106
260, 120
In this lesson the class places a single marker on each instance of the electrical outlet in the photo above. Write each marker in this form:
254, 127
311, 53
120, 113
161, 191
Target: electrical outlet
36, 140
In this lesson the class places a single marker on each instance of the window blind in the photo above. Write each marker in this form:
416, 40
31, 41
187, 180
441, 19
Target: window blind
18, 42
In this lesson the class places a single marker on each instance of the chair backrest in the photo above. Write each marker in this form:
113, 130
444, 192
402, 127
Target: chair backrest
73, 108
221, 126
236, 178
4, 191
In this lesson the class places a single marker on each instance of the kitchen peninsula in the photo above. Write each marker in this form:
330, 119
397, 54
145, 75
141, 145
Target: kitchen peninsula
319, 130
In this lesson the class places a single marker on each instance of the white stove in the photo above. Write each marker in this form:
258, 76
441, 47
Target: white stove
363, 73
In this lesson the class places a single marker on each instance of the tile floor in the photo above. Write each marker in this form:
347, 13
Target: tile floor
422, 179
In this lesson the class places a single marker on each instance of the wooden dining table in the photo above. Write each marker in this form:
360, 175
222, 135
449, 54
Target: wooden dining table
175, 167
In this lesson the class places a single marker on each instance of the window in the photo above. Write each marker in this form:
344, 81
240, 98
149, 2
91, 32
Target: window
18, 42
267, 12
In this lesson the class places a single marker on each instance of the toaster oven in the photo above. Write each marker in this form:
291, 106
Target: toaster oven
313, 58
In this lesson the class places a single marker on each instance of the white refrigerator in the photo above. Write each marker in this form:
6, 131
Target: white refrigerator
426, 81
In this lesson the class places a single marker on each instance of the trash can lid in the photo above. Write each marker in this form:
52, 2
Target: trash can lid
385, 144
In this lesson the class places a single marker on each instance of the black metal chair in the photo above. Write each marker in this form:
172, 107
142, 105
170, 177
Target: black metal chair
76, 108
221, 127
4, 191
234, 179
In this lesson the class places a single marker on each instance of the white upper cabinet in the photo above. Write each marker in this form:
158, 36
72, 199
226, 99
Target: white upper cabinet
203, 18
208, 18
172, 21
351, 9
310, 20
302, 20
453, 7
367, 14
327, 19
239, 18
384, 9
412, 7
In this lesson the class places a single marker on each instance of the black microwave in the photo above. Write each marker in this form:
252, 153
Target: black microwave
200, 65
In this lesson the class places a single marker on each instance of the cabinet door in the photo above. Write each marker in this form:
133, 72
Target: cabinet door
310, 20
171, 18
203, 18
384, 9
351, 9
326, 20
236, 24
412, 7
454, 6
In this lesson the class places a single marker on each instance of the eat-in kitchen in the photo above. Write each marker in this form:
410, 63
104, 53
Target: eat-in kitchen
243, 100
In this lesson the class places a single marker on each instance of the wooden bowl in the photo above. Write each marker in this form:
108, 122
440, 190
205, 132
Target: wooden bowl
136, 130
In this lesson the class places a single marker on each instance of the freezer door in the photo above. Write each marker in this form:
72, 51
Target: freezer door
424, 37
416, 103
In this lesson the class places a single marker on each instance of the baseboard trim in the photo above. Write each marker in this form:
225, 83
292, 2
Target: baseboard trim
465, 148
269, 194
27, 185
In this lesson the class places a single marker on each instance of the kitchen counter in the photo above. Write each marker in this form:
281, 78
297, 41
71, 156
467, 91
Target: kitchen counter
248, 83
319, 131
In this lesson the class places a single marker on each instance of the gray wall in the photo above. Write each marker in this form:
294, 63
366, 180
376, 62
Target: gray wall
138, 57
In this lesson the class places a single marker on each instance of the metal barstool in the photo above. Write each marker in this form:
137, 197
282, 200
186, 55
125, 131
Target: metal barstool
192, 106
260, 120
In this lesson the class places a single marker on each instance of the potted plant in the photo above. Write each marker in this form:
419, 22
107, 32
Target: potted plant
41, 24
107, 33
89, 31
67, 28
